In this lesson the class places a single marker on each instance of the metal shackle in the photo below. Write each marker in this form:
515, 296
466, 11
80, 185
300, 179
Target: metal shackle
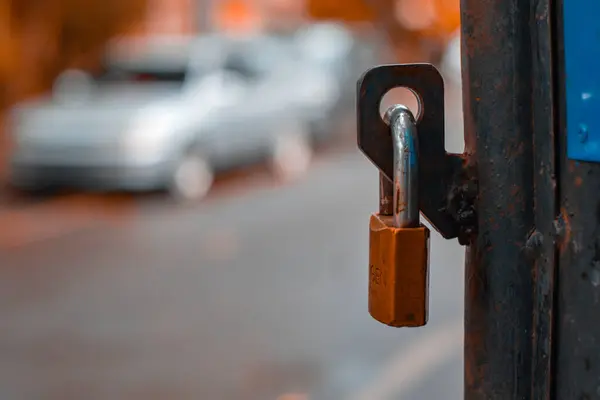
400, 198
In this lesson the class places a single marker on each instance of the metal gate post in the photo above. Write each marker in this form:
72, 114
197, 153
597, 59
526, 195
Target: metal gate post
509, 134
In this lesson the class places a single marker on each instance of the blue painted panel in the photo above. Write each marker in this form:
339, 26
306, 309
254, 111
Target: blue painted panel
582, 58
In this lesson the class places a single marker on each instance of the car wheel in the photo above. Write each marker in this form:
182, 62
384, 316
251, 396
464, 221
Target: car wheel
292, 155
192, 178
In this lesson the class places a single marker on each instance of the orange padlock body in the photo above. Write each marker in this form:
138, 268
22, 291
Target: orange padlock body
398, 273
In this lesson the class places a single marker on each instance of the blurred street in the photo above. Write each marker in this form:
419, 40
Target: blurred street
257, 292
184, 210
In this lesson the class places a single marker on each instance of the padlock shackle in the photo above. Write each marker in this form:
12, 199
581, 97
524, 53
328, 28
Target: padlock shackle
405, 166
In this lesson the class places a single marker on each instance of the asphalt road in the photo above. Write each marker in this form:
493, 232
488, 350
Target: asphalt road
256, 293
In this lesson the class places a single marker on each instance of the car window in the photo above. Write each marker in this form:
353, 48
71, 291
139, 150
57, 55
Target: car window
167, 63
141, 75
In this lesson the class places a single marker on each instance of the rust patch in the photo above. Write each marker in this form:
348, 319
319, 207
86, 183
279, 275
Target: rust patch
563, 230
578, 181
515, 150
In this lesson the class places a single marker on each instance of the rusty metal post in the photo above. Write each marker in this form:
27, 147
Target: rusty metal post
533, 269
509, 125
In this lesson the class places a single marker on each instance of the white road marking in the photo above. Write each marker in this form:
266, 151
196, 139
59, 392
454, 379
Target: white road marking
413, 364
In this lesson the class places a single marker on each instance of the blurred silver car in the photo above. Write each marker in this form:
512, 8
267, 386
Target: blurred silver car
345, 54
172, 115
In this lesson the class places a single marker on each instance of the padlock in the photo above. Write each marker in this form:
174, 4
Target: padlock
398, 243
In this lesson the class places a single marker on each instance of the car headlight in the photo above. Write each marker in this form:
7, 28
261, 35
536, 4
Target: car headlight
147, 138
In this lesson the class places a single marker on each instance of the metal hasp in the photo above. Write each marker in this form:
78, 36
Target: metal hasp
445, 191
582, 61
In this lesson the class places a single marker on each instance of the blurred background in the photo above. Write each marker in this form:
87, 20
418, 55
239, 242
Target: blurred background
183, 209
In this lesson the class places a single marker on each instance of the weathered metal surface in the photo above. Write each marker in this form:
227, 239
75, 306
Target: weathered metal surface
578, 236
498, 111
441, 194
578, 326
582, 91
541, 243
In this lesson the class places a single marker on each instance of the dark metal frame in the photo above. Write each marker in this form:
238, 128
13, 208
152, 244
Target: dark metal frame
541, 243
577, 330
